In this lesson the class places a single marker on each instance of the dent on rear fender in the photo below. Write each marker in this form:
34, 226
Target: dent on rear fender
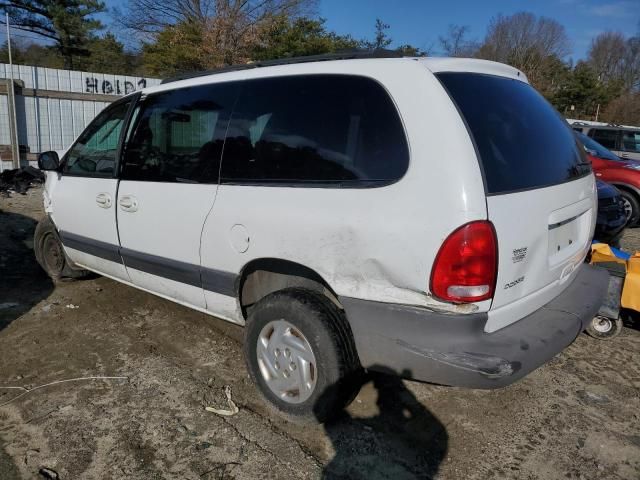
375, 281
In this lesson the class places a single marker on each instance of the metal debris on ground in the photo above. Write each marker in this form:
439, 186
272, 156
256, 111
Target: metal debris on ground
19, 180
233, 408
48, 473
26, 391
72, 306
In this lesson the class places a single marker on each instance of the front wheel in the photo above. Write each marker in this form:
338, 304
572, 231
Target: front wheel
50, 253
300, 353
604, 328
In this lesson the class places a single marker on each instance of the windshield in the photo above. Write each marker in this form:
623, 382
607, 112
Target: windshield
522, 141
594, 148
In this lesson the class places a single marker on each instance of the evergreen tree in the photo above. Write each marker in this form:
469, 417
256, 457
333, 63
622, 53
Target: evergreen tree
67, 23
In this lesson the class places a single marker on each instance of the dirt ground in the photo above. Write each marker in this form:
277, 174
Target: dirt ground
578, 417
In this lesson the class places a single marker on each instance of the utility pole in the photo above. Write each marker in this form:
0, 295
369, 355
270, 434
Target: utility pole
13, 124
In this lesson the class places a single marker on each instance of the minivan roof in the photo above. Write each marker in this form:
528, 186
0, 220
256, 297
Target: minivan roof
473, 65
311, 65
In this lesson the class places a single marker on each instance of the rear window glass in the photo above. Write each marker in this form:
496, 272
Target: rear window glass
631, 141
315, 129
523, 143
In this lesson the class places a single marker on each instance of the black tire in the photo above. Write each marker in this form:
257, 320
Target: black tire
338, 372
50, 254
634, 203
604, 328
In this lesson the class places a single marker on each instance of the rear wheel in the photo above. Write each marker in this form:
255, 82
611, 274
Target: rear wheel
300, 353
50, 254
631, 207
604, 328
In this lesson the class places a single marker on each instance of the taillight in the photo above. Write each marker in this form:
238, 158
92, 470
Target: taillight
466, 266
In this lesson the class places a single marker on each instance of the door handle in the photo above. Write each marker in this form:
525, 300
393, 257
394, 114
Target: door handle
624, 155
128, 203
103, 200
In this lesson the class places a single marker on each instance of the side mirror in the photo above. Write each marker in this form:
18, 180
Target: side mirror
48, 161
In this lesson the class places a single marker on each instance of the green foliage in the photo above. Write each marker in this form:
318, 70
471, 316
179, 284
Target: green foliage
581, 89
302, 37
176, 49
411, 51
32, 54
68, 23
107, 55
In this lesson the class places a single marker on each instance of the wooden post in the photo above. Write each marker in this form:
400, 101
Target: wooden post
11, 97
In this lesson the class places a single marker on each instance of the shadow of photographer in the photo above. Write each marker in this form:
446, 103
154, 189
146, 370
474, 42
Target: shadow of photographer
404, 440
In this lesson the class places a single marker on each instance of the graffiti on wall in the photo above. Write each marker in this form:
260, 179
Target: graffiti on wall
92, 85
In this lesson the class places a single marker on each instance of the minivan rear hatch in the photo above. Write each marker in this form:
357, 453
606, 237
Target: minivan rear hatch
539, 188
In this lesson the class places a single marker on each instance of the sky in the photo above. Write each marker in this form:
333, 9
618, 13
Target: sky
420, 22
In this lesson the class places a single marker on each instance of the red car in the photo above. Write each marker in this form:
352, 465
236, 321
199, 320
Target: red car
622, 173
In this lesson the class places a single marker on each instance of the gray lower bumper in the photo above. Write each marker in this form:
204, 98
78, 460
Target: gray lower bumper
452, 349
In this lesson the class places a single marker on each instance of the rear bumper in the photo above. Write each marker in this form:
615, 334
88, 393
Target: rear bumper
454, 349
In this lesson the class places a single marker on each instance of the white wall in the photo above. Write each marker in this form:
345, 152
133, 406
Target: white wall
53, 123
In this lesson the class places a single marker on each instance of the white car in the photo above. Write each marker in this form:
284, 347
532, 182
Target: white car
426, 217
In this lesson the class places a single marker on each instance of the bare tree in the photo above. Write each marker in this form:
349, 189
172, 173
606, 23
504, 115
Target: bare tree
624, 109
616, 58
524, 41
606, 55
151, 16
631, 71
382, 39
148, 17
455, 43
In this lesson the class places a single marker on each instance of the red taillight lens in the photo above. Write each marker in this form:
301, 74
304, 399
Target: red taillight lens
465, 269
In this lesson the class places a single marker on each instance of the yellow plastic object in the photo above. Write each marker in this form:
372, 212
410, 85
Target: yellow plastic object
631, 290
601, 252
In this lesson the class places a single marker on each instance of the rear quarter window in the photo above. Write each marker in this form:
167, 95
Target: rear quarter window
336, 130
522, 141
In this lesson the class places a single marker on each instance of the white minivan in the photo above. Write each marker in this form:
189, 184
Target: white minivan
426, 217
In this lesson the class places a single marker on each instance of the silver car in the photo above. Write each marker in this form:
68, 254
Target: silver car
623, 141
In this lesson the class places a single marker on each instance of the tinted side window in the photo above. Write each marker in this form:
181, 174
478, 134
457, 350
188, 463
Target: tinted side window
179, 134
594, 148
336, 129
631, 141
523, 143
606, 138
94, 154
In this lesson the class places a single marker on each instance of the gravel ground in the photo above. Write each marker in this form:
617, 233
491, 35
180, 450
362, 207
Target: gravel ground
577, 417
